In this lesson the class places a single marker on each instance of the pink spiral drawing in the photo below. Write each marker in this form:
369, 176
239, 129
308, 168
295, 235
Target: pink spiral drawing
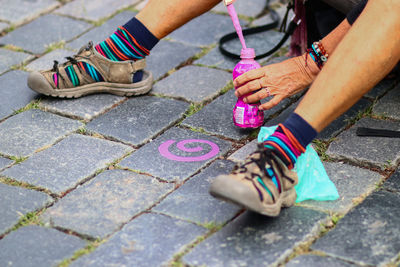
164, 150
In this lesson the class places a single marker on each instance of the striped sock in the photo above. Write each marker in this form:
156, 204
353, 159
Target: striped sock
132, 41
290, 139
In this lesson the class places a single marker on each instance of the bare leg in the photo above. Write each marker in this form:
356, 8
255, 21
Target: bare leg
367, 53
162, 17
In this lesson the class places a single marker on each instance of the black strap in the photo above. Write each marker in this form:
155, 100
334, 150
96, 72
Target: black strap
363, 131
274, 24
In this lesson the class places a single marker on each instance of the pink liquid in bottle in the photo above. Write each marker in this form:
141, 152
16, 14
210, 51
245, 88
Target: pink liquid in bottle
245, 115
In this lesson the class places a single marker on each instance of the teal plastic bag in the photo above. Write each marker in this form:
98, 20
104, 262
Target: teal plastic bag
314, 182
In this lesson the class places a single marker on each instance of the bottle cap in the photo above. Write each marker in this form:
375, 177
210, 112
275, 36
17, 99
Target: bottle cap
247, 53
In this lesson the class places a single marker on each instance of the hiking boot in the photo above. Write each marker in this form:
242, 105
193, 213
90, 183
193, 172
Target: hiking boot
89, 72
262, 184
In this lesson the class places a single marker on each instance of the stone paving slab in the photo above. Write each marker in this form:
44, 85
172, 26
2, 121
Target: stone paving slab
103, 205
393, 183
19, 11
3, 26
195, 193
14, 92
193, 83
255, 240
176, 154
167, 55
26, 132
223, 124
35, 37
34, 246
16, 202
374, 151
340, 123
244, 8
84, 108
369, 234
215, 59
99, 34
4, 163
268, 19
241, 154
198, 31
150, 240
46, 62
10, 58
388, 105
67, 163
347, 180
139, 119
381, 88
315, 260
93, 10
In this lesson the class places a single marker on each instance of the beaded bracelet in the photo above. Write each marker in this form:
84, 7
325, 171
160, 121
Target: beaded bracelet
318, 53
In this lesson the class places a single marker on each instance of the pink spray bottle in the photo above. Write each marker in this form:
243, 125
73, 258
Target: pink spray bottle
244, 115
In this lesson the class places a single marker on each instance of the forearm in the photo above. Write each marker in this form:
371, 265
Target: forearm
367, 53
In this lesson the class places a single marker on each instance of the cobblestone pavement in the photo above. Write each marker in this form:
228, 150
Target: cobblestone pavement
100, 180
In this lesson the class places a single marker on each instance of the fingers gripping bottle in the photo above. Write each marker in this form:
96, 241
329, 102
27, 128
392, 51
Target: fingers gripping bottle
246, 115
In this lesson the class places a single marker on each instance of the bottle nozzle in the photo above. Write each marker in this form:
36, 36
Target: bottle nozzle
247, 53
228, 2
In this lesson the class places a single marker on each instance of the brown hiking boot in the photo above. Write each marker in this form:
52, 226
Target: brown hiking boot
88, 72
262, 184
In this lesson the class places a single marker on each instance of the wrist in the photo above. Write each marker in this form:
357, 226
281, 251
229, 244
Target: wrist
309, 65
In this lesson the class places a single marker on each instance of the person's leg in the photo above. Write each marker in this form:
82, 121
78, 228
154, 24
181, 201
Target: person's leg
115, 65
366, 55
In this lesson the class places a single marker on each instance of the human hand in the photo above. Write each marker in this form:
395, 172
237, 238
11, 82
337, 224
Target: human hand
280, 80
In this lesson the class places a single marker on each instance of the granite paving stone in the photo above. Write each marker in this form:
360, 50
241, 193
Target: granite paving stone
388, 105
15, 94
67, 163
195, 193
347, 180
34, 36
46, 62
193, 83
340, 123
9, 58
266, 19
369, 234
93, 10
34, 246
255, 240
16, 202
315, 260
99, 34
4, 162
19, 11
167, 55
149, 240
393, 183
3, 26
33, 129
222, 124
245, 8
84, 108
198, 31
216, 59
176, 154
101, 206
139, 119
241, 154
282, 116
374, 151
381, 88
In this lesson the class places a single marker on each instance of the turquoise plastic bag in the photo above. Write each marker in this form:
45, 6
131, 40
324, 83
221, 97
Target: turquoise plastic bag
314, 182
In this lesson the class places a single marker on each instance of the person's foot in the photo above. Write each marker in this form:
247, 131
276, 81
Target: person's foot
262, 184
89, 72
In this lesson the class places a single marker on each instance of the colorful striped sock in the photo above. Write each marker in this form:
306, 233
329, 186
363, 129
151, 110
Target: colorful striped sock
290, 139
73, 77
131, 41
